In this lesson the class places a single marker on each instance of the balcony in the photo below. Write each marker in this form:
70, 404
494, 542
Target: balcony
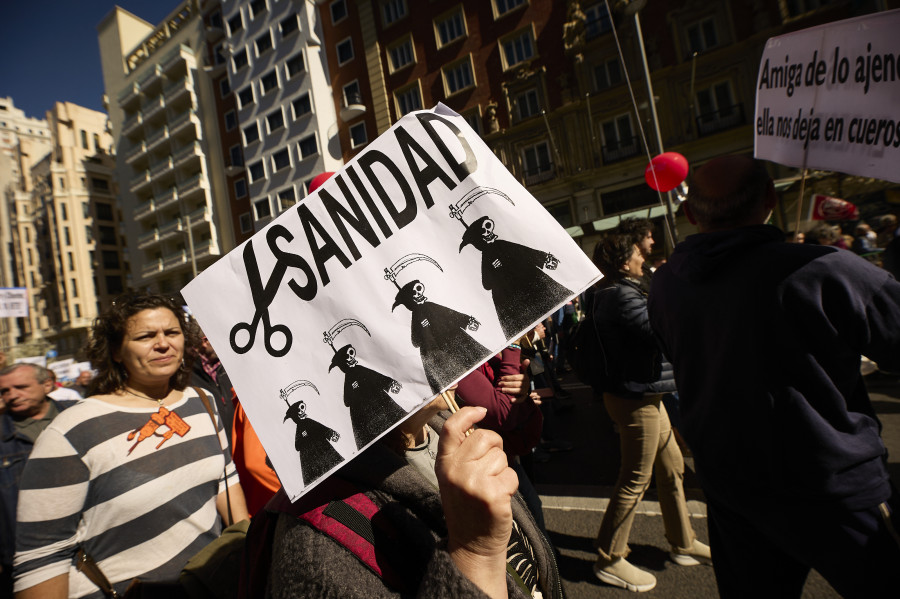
184, 155
199, 217
166, 199
715, 121
157, 137
174, 91
131, 125
162, 167
152, 267
621, 149
176, 259
540, 173
153, 108
168, 231
191, 186
353, 107
179, 124
136, 151
204, 249
129, 95
176, 56
147, 239
140, 181
144, 210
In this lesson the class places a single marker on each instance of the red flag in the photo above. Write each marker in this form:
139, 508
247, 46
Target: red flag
828, 208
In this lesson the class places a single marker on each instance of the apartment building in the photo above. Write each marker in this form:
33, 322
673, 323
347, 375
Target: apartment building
285, 113
163, 110
545, 84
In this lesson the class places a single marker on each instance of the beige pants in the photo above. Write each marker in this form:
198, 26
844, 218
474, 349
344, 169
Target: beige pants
647, 444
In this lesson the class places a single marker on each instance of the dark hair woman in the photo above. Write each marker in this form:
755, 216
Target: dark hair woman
135, 475
638, 377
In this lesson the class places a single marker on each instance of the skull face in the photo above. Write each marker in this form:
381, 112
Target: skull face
351, 357
419, 293
487, 231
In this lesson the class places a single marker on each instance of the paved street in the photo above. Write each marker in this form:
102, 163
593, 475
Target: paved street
575, 488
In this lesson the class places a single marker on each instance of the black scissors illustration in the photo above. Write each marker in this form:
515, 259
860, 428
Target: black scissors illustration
262, 299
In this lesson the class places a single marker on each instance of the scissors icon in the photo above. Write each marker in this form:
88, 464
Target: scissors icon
262, 299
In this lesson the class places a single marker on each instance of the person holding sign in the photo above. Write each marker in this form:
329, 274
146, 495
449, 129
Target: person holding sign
766, 339
446, 516
134, 476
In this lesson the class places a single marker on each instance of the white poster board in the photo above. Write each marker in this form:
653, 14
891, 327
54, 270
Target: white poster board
359, 304
828, 97
14, 302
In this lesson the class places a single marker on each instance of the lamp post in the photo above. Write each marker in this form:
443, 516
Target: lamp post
632, 8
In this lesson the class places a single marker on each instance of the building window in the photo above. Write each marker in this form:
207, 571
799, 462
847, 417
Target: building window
280, 160
518, 48
104, 211
286, 199
473, 118
619, 141
275, 120
308, 147
63, 211
108, 235
96, 142
67, 236
31, 258
235, 24
257, 7
294, 65
597, 21
358, 135
408, 99
701, 36
240, 188
401, 54
301, 106
215, 19
114, 285
345, 51
251, 133
77, 310
224, 87
88, 234
458, 76
269, 81
230, 120
536, 162
110, 259
236, 155
798, 7
450, 28
338, 11
245, 97
392, 10
717, 110
257, 171
240, 59
246, 222
501, 7
607, 74
527, 104
98, 184
264, 43
289, 25
263, 208
84, 140
69, 256
351, 93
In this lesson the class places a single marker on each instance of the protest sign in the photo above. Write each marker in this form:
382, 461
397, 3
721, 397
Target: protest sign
63, 369
14, 302
825, 207
403, 272
828, 97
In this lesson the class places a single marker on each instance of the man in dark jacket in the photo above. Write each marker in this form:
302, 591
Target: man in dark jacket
766, 338
23, 389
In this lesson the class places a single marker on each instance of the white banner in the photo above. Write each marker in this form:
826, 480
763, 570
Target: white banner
828, 97
63, 369
408, 268
14, 302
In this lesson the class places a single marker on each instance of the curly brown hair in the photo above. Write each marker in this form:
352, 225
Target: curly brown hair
108, 333
611, 253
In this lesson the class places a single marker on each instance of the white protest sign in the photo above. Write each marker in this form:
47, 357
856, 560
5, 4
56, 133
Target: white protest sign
39, 360
412, 265
14, 302
828, 98
63, 369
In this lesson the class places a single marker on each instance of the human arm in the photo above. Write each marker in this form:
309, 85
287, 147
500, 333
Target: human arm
234, 496
480, 388
53, 588
476, 485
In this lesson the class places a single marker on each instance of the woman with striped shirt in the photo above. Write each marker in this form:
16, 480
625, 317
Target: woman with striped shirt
135, 474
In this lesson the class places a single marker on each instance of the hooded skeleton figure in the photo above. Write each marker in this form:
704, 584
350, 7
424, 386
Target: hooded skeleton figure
441, 335
514, 274
368, 394
313, 441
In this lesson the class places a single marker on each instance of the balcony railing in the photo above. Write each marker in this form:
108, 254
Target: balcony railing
176, 89
147, 239
191, 185
353, 107
162, 167
199, 217
622, 149
135, 152
720, 120
166, 199
157, 137
144, 210
129, 94
168, 230
181, 121
140, 180
188, 152
153, 107
152, 267
176, 259
540, 173
130, 125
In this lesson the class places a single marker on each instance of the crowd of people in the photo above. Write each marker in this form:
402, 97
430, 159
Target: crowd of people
741, 349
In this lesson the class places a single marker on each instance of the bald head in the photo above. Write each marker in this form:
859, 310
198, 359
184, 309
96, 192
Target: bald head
730, 192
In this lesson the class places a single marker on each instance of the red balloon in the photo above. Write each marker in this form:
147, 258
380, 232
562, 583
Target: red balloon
669, 168
318, 180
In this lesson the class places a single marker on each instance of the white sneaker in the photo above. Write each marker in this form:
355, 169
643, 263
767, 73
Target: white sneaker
620, 573
689, 558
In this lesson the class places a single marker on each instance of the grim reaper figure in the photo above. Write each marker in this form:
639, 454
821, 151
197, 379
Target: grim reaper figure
441, 334
368, 394
313, 440
513, 273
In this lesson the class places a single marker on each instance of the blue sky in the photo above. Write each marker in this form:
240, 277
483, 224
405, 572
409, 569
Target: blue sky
49, 51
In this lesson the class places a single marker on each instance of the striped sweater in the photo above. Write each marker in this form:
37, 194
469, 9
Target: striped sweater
139, 514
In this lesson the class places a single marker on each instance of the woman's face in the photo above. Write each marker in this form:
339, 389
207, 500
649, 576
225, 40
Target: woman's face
634, 264
153, 346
